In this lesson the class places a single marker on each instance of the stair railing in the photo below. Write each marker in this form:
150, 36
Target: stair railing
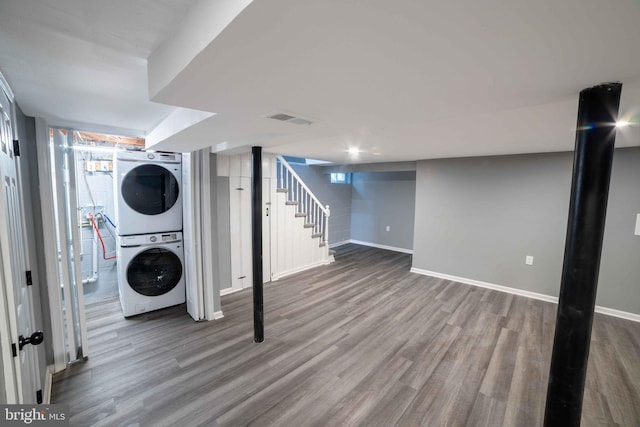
306, 202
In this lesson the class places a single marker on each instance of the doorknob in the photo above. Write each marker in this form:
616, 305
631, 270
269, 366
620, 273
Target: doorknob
35, 339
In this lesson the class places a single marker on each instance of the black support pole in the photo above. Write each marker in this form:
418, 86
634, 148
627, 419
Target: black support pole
256, 242
595, 138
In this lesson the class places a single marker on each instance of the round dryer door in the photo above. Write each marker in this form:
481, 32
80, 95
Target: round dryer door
150, 189
154, 272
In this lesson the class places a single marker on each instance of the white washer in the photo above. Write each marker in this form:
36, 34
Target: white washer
148, 194
150, 272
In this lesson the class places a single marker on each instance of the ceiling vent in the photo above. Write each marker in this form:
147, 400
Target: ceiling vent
289, 118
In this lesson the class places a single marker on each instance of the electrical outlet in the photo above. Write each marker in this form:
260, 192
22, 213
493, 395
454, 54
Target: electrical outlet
528, 260
388, 228
105, 166
98, 166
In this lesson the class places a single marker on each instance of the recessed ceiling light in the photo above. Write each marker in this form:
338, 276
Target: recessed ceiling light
353, 150
622, 123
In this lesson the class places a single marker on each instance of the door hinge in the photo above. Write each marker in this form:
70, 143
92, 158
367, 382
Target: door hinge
39, 397
16, 147
29, 279
239, 188
14, 349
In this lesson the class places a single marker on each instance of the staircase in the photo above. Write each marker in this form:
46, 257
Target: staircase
301, 239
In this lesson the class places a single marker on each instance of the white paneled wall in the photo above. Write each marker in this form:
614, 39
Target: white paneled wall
295, 246
288, 246
296, 249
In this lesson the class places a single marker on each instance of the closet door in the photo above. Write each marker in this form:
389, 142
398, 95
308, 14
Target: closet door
240, 230
18, 338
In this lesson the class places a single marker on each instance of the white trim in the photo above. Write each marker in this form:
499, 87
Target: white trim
278, 276
335, 245
228, 291
618, 313
206, 230
388, 248
191, 237
478, 283
48, 379
218, 315
50, 246
6, 88
534, 295
77, 244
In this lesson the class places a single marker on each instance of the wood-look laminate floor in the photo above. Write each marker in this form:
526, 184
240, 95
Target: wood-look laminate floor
360, 342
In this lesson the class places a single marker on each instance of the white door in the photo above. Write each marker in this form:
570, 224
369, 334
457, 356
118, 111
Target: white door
240, 231
197, 234
190, 222
23, 379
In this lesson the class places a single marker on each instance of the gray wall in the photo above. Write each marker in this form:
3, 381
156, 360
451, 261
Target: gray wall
619, 285
26, 130
383, 199
337, 196
478, 218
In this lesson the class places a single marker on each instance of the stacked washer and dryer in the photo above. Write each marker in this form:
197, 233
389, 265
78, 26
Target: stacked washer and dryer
148, 207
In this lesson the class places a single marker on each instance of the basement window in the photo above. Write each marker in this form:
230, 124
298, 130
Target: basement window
340, 178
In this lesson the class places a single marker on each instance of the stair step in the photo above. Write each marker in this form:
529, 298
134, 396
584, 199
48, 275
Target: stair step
316, 235
282, 190
300, 214
291, 203
332, 252
309, 225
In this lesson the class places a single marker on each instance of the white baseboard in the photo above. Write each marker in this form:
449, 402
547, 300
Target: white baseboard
388, 248
46, 390
218, 315
534, 295
472, 282
227, 291
372, 245
618, 313
335, 245
277, 276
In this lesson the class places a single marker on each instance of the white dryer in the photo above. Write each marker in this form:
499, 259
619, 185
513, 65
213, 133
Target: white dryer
150, 272
148, 194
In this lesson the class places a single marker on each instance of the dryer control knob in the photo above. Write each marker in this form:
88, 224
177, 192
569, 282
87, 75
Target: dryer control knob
153, 239
150, 156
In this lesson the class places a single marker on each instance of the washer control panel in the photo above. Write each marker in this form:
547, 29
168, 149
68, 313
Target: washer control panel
150, 239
